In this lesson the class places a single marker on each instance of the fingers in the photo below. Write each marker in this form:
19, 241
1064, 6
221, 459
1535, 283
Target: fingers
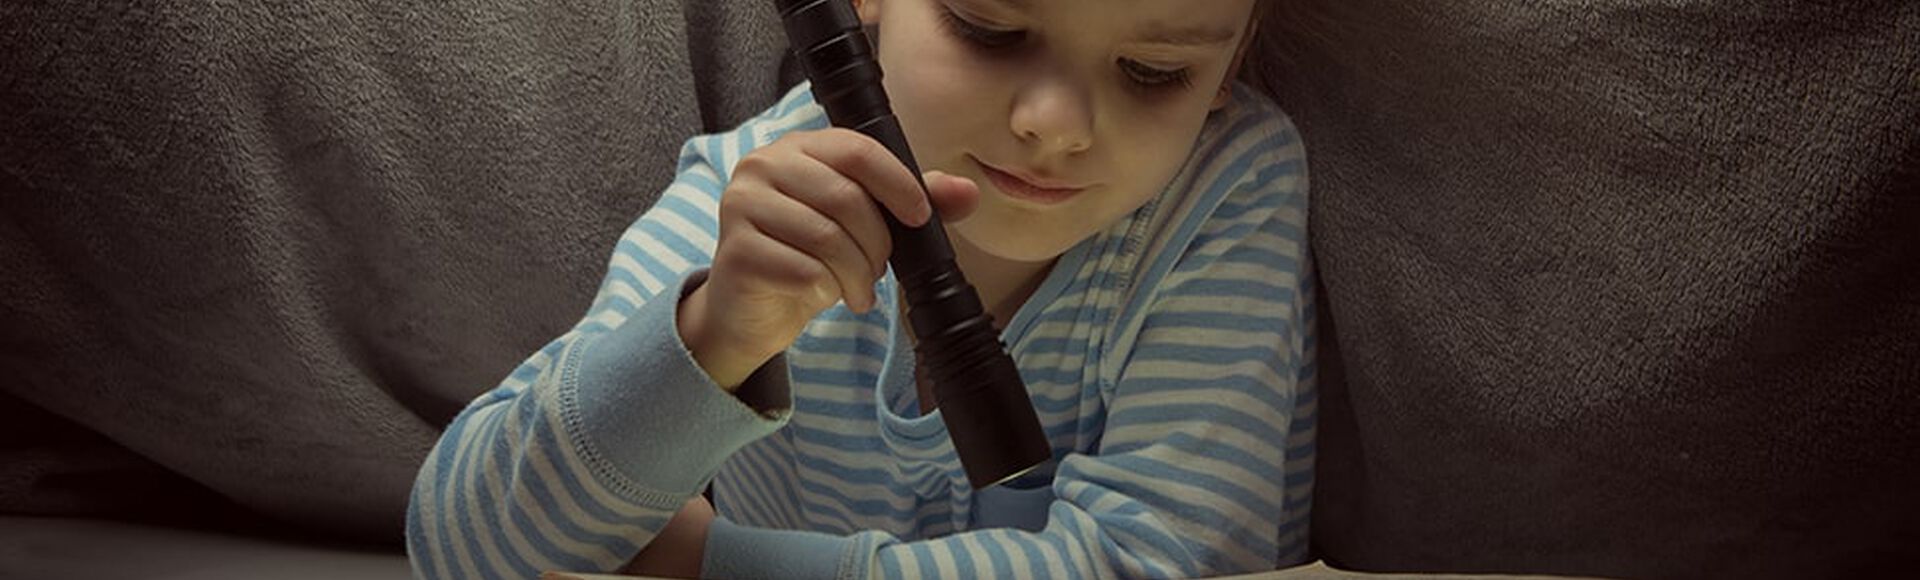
821, 240
871, 165
814, 194
839, 198
760, 295
953, 196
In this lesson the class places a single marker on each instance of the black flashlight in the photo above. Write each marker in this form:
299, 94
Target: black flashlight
981, 396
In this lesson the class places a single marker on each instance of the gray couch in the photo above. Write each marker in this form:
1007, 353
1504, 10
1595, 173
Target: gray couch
1613, 287
1618, 288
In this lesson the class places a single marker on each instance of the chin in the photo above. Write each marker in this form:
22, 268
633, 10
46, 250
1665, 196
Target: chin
1019, 244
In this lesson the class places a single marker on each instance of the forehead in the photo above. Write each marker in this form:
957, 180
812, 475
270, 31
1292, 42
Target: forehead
1223, 10
1177, 21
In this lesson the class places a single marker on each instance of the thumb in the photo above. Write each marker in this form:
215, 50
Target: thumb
953, 196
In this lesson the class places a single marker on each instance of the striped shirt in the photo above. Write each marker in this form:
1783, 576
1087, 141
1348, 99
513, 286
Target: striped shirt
1170, 357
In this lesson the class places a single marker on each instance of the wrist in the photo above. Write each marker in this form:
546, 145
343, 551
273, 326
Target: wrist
715, 355
679, 548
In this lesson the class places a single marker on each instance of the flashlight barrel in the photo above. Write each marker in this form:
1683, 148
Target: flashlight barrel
982, 399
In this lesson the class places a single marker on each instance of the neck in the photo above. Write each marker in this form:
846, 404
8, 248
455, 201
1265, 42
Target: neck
1004, 285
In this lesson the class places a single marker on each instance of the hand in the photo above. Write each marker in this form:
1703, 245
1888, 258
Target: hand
799, 232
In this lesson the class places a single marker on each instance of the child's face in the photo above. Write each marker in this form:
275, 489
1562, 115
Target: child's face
1098, 101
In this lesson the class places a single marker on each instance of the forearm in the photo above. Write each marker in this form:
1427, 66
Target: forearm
587, 450
728, 367
581, 468
506, 494
1075, 543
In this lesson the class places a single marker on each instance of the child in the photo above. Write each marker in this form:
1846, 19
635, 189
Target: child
1134, 219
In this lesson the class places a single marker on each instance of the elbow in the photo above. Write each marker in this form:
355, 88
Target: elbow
419, 553
423, 519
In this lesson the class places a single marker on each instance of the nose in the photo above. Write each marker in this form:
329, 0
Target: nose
1054, 117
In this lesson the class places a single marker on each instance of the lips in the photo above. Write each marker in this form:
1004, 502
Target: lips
1028, 188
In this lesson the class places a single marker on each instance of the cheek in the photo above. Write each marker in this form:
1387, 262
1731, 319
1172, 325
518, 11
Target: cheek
1155, 150
942, 104
941, 90
928, 85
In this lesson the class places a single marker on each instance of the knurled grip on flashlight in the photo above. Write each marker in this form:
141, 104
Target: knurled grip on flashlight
982, 399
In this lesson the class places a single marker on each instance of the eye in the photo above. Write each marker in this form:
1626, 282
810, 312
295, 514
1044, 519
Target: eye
1155, 78
979, 35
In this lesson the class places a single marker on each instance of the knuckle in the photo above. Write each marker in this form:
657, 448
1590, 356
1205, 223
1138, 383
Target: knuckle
755, 163
792, 138
734, 203
820, 234
815, 274
802, 276
743, 250
844, 196
849, 147
805, 283
864, 147
883, 249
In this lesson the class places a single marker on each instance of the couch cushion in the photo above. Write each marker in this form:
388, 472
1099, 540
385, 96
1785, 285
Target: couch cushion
76, 548
1617, 288
274, 247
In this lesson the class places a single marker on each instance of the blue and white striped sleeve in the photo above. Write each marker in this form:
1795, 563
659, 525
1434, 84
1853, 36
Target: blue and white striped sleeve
1204, 465
1200, 470
580, 457
1192, 476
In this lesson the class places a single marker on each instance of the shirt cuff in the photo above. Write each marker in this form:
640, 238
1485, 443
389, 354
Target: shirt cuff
657, 419
736, 551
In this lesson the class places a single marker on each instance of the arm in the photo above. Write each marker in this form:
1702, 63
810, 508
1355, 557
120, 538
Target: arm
581, 456
1191, 476
1204, 465
618, 423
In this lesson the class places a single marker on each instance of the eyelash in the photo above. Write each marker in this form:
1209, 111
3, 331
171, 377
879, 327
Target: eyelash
1156, 78
979, 35
1142, 76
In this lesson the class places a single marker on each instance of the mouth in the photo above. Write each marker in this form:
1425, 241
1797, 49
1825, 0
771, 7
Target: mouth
1035, 190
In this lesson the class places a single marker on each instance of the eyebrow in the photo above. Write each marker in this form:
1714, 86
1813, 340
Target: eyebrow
1157, 33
